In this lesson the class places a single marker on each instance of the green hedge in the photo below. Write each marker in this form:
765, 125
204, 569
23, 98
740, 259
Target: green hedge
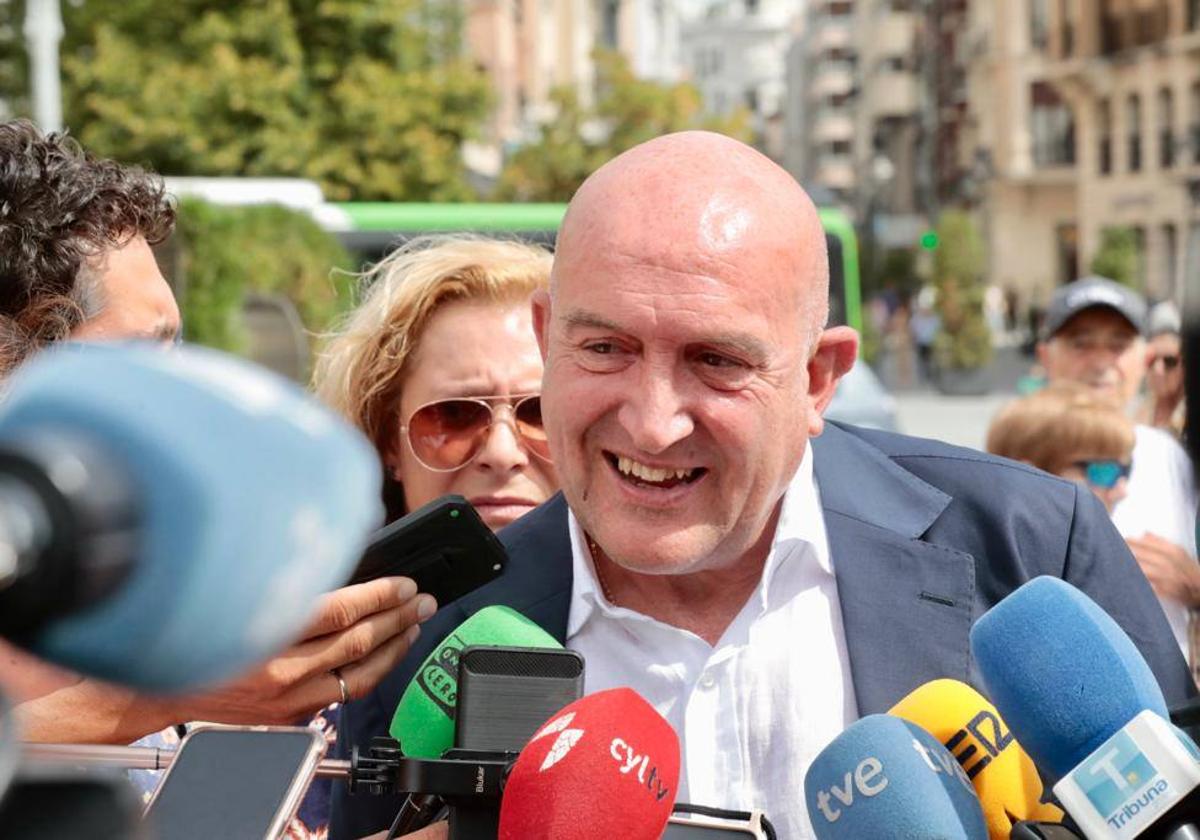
223, 253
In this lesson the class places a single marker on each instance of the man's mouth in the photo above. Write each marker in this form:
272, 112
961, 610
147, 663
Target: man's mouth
644, 475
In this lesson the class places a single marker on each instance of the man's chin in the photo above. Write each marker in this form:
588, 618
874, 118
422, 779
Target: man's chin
659, 555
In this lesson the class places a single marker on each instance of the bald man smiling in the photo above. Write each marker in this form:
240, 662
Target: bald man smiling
761, 576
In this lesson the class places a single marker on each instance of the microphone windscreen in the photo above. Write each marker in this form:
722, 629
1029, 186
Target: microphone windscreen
1062, 673
1004, 777
423, 722
888, 779
605, 766
253, 498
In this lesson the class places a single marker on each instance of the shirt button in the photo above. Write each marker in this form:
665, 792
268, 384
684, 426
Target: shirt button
707, 681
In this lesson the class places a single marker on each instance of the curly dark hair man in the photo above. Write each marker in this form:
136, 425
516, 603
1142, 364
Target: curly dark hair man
75, 236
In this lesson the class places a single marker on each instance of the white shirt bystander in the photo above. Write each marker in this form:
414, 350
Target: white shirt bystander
1161, 500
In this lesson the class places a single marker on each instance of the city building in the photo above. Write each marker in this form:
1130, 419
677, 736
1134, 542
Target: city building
646, 32
736, 54
891, 148
820, 108
1084, 116
530, 47
858, 114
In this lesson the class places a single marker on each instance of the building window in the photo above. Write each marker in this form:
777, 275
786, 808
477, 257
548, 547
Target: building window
1170, 259
1039, 27
1193, 14
751, 6
1139, 247
610, 11
1053, 127
1194, 123
1166, 134
1133, 131
1066, 29
1104, 133
752, 100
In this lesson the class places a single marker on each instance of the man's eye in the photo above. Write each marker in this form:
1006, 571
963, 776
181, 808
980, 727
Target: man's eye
600, 348
717, 361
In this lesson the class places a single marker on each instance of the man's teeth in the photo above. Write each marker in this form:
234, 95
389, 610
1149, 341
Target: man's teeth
645, 473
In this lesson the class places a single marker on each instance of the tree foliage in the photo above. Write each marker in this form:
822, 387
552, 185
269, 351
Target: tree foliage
1117, 256
628, 111
225, 253
372, 98
964, 341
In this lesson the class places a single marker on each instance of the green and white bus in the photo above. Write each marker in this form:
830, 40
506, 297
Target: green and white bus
370, 229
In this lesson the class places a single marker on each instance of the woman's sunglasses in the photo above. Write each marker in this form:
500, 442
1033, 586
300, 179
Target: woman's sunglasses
1168, 362
1104, 474
446, 435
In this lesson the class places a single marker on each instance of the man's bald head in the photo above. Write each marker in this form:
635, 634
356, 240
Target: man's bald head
699, 196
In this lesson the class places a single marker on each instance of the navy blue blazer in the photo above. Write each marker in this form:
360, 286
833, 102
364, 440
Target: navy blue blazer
924, 538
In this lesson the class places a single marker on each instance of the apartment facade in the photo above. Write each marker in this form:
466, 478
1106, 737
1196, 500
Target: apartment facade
1131, 72
736, 55
857, 111
1086, 114
821, 105
891, 138
530, 47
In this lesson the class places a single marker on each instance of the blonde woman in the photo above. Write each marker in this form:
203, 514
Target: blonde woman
1072, 431
439, 367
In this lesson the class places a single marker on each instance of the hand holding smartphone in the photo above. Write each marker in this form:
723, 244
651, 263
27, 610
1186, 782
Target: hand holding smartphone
444, 546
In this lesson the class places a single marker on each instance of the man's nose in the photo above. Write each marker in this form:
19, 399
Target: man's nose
655, 414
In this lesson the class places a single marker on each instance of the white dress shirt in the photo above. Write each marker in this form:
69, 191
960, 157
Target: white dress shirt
755, 710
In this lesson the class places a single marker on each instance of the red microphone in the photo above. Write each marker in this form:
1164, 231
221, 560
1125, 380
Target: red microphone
605, 766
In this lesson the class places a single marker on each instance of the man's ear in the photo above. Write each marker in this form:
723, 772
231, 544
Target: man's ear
837, 348
541, 320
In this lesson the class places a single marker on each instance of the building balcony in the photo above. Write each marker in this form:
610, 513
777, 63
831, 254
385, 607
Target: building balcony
833, 124
836, 172
892, 94
833, 78
832, 35
895, 34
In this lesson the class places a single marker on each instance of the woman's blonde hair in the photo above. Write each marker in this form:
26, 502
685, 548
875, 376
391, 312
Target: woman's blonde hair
360, 371
1058, 425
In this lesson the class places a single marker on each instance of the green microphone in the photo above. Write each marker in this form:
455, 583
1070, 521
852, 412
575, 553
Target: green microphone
424, 719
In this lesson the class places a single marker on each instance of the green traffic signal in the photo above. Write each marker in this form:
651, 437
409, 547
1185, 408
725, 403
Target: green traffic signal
929, 240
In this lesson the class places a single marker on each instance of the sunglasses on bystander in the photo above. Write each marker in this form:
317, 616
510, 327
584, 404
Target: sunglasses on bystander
1104, 473
446, 435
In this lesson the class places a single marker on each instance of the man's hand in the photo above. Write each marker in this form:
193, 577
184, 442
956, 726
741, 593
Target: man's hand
362, 630
1172, 572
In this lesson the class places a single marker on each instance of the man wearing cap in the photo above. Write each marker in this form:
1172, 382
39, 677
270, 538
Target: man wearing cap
1093, 334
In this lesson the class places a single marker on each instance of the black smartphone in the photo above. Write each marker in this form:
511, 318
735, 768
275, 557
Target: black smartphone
234, 782
444, 546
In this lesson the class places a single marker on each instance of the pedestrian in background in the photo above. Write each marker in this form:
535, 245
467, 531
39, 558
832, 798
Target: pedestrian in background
1163, 406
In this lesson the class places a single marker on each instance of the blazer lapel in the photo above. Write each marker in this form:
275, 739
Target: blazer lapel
906, 604
538, 580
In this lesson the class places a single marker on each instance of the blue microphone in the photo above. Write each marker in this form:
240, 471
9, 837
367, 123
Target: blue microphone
887, 779
1081, 700
171, 517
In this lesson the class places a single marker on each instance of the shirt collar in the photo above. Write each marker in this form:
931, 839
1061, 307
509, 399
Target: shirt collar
801, 522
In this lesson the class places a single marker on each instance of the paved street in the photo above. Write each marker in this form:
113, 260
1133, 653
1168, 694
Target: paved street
958, 420
964, 421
